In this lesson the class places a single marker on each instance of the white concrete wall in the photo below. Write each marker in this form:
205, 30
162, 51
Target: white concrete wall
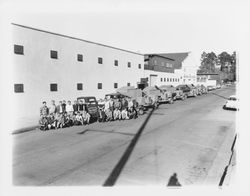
163, 75
208, 83
36, 70
189, 70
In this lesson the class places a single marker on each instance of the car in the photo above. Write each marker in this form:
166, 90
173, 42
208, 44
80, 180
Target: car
231, 103
185, 89
91, 106
176, 94
218, 86
203, 89
210, 88
189, 90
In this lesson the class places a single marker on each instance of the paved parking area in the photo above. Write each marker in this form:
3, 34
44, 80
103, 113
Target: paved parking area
191, 138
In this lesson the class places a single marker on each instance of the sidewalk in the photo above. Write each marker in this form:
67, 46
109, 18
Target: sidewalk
25, 124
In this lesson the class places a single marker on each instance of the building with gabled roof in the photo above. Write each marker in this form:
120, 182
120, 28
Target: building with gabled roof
178, 68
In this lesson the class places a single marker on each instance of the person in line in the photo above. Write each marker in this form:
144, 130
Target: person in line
117, 104
64, 106
69, 121
106, 105
130, 103
124, 112
85, 117
51, 121
61, 121
117, 114
59, 108
69, 108
52, 108
78, 119
111, 107
44, 112
81, 106
76, 107
102, 115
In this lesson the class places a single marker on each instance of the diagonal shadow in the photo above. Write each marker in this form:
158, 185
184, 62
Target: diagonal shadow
103, 131
111, 180
219, 96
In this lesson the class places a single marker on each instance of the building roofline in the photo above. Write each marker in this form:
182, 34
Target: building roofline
208, 73
160, 56
75, 38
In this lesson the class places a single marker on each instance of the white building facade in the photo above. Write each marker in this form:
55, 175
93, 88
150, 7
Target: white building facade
49, 66
170, 69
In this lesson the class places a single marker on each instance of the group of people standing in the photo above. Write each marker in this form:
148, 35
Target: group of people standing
118, 109
63, 115
68, 114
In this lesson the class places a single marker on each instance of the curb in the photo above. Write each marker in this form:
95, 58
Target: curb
25, 129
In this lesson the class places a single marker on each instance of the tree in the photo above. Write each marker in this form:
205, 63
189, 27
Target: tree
208, 62
225, 60
228, 64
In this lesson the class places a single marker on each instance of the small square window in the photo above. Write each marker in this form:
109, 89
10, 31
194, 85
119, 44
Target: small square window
139, 66
99, 60
18, 49
116, 62
129, 64
18, 88
53, 87
99, 85
128, 84
79, 57
115, 85
53, 54
79, 86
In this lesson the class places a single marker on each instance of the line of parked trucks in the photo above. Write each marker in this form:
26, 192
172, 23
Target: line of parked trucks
149, 97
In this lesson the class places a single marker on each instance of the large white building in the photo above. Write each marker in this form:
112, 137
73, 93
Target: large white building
49, 66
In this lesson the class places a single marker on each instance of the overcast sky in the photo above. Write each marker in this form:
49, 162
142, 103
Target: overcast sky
141, 26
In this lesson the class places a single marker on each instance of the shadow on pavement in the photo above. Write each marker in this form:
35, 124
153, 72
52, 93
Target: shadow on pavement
104, 131
111, 180
219, 95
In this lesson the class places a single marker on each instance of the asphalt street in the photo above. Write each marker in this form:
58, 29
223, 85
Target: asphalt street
191, 138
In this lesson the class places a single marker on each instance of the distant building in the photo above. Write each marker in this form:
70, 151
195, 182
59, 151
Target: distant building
170, 68
208, 79
159, 70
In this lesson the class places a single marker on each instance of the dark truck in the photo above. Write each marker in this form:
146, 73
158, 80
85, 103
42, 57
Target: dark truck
175, 94
91, 106
188, 92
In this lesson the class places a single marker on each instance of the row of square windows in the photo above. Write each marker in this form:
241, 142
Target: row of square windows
18, 49
19, 88
170, 79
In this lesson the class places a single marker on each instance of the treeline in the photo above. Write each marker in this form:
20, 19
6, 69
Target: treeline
223, 63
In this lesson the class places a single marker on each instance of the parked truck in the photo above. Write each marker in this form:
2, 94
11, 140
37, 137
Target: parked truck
188, 92
175, 94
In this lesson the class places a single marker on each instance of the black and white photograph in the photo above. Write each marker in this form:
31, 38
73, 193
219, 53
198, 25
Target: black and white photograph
124, 94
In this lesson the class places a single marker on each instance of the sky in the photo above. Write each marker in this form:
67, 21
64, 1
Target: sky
142, 26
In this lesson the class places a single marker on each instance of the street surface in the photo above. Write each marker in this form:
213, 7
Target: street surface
191, 138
